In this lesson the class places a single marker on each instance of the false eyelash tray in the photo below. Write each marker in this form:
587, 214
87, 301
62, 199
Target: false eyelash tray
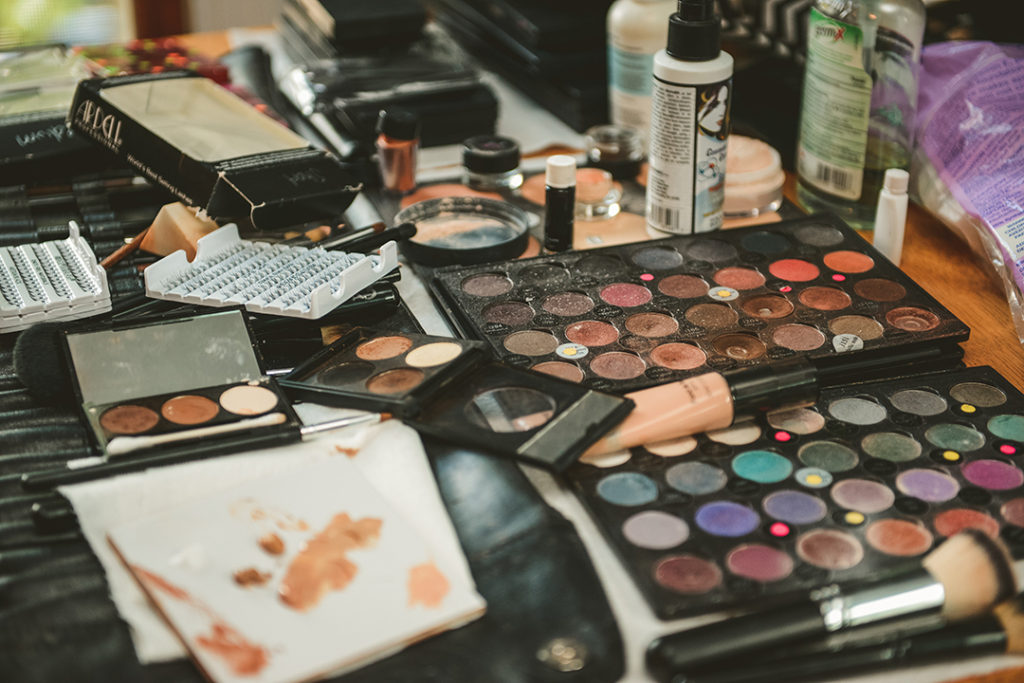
267, 278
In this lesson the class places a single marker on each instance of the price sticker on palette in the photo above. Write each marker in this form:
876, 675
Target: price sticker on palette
572, 351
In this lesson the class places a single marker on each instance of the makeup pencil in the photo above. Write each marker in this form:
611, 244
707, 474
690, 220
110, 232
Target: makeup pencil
1001, 632
962, 578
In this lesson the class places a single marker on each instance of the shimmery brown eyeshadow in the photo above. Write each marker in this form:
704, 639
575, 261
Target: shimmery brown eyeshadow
189, 409
591, 333
626, 294
687, 574
880, 289
383, 347
617, 365
678, 356
739, 346
825, 298
511, 313
557, 368
129, 419
486, 284
683, 286
343, 373
769, 306
713, 316
567, 304
849, 261
739, 278
864, 327
830, 549
394, 381
651, 324
898, 537
798, 337
912, 319
531, 343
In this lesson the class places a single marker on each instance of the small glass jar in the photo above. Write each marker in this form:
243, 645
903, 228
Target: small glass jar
598, 196
491, 162
616, 149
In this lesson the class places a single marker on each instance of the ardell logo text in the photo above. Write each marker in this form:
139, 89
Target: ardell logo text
102, 126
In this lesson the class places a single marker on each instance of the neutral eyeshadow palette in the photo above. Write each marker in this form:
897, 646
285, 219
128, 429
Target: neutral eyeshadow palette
625, 317
869, 479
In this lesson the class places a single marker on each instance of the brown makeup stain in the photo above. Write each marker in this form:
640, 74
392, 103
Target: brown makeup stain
348, 452
323, 565
283, 520
244, 658
272, 543
250, 576
129, 419
427, 585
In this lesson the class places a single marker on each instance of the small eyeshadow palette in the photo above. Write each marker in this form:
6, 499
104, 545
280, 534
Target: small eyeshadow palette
625, 317
50, 281
170, 381
276, 279
382, 371
869, 479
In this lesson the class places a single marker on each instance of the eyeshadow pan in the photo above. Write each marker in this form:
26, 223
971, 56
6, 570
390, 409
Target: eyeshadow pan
978, 394
128, 418
189, 409
798, 337
591, 333
928, 485
860, 325
898, 537
544, 273
828, 455
248, 400
994, 475
599, 264
858, 411
625, 295
394, 381
1013, 511
760, 563
618, 365
796, 420
918, 402
561, 369
949, 522
486, 284
687, 574
627, 489
825, 298
741, 433
829, 549
712, 251
739, 278
765, 242
819, 235
431, 355
652, 324
567, 304
712, 316
672, 448
683, 286
912, 319
849, 261
383, 348
531, 343
510, 409
344, 373
768, 306
678, 356
657, 258
863, 495
655, 530
794, 507
696, 478
957, 437
764, 467
891, 446
1009, 427
794, 270
511, 313
726, 518
739, 346
880, 289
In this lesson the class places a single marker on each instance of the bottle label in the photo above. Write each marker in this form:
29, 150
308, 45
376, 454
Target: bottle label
686, 162
629, 71
836, 103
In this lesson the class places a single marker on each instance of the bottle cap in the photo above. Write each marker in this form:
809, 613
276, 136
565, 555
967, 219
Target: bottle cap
896, 180
561, 171
400, 124
693, 31
490, 154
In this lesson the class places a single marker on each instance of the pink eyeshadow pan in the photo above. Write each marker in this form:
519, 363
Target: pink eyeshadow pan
625, 295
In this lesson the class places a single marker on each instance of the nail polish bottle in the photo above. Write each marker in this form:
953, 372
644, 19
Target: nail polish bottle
397, 142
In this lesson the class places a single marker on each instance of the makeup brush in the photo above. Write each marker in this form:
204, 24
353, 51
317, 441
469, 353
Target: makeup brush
962, 578
368, 239
1001, 632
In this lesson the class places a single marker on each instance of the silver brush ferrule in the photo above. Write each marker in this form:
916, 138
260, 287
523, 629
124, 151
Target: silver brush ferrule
916, 593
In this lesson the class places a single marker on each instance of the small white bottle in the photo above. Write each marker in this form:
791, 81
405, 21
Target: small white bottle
690, 104
891, 214
636, 30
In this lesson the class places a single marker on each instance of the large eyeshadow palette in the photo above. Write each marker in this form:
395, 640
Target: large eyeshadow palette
625, 317
869, 479
168, 381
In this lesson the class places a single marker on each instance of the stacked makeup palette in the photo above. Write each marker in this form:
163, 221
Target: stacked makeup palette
870, 478
630, 316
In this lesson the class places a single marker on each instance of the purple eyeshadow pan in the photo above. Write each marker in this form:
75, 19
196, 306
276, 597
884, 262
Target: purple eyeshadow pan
994, 475
928, 485
725, 518
794, 507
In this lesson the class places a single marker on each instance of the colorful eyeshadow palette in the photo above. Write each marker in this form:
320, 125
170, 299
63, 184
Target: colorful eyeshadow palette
382, 371
148, 384
630, 316
868, 479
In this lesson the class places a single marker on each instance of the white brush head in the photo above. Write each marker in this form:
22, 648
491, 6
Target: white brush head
975, 571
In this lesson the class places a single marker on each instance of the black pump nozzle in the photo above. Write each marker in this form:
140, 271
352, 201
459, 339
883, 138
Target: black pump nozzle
693, 31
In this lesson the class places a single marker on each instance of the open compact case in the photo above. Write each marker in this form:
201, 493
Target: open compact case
173, 381
447, 388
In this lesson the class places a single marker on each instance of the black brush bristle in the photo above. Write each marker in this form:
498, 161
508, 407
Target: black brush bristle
40, 364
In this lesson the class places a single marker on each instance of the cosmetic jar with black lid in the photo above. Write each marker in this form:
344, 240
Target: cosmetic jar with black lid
491, 162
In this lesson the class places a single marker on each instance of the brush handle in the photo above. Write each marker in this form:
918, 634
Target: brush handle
671, 656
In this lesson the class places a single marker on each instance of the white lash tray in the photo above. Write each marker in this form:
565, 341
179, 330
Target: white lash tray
50, 281
276, 279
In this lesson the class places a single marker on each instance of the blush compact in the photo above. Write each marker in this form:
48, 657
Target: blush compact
172, 381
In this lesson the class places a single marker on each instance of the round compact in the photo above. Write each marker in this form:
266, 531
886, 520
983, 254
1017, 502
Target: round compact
464, 231
753, 177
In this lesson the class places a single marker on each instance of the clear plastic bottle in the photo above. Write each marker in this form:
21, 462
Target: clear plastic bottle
859, 102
